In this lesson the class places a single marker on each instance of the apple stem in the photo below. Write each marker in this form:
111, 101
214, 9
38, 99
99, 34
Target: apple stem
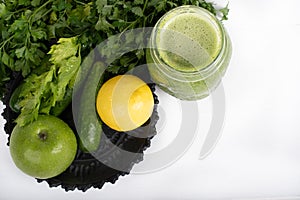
43, 135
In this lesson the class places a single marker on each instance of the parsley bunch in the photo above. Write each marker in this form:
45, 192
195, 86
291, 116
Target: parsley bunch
29, 28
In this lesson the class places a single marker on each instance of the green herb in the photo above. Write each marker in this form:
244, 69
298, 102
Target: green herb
41, 92
225, 12
29, 28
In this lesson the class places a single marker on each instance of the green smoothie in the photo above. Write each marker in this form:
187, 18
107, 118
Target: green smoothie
187, 42
189, 52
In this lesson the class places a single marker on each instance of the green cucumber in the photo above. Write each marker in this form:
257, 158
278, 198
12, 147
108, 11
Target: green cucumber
89, 125
85, 67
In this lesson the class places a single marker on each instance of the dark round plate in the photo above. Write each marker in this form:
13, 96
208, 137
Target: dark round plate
86, 171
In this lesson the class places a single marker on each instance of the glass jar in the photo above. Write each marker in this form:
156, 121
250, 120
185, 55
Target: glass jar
189, 52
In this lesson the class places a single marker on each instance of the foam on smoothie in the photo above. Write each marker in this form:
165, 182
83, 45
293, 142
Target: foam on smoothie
187, 42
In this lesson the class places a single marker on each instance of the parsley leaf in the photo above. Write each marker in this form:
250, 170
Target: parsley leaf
138, 11
224, 12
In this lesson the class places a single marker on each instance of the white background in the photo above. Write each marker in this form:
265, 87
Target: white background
258, 155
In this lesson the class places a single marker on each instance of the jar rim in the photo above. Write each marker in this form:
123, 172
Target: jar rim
210, 67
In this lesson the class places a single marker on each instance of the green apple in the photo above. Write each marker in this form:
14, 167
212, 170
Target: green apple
44, 148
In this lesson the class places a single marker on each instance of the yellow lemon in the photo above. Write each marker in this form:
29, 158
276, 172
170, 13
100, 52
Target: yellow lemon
125, 102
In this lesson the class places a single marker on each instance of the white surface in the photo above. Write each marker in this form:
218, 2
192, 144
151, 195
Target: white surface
258, 155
